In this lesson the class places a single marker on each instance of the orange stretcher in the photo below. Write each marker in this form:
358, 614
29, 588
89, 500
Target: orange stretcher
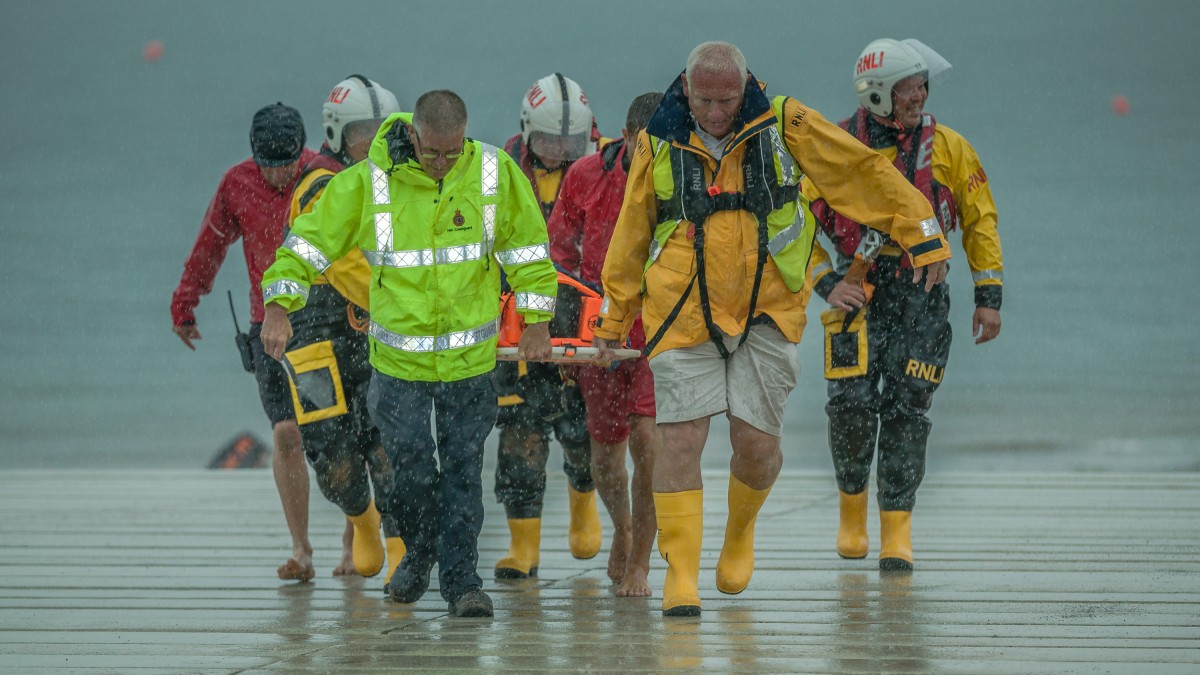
577, 311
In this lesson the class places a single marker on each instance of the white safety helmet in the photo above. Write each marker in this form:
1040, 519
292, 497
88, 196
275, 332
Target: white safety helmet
355, 99
554, 108
885, 62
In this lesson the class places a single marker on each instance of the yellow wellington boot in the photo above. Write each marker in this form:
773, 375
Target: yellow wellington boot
736, 564
584, 534
522, 559
395, 553
367, 549
680, 531
895, 533
852, 525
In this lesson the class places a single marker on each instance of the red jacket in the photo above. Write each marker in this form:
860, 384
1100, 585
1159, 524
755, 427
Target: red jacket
245, 206
581, 226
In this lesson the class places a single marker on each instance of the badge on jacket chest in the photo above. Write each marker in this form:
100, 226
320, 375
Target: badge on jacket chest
459, 221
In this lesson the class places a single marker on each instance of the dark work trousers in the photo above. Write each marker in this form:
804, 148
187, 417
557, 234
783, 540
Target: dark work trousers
438, 505
908, 344
549, 407
328, 367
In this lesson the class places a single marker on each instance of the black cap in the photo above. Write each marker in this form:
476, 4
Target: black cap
277, 135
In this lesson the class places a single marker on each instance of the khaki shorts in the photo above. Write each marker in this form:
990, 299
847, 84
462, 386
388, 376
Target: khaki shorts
753, 385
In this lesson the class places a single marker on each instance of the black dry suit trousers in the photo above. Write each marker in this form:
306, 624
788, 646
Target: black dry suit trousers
549, 406
327, 364
882, 370
437, 498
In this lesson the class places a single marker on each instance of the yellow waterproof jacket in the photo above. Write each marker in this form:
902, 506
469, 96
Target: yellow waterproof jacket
350, 276
436, 249
955, 165
851, 176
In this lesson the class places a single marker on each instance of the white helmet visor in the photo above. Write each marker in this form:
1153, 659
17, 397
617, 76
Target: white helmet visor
554, 149
935, 64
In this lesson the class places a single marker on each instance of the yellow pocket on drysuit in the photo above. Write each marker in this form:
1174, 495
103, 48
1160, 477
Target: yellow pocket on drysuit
509, 385
845, 346
316, 382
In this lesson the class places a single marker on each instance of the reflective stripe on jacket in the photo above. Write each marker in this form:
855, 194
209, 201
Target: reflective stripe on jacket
435, 248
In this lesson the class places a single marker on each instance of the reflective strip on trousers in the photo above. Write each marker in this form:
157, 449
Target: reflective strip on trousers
983, 275
435, 343
307, 252
285, 287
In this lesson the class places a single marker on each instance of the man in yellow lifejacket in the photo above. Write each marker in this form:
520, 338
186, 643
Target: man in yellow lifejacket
716, 245
437, 216
886, 351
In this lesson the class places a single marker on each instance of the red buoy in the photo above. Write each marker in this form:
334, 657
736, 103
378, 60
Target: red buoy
153, 51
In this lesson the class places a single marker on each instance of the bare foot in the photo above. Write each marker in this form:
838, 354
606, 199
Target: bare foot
634, 585
346, 567
622, 541
297, 568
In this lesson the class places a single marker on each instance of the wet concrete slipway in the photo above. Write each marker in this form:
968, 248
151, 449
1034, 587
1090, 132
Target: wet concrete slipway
173, 571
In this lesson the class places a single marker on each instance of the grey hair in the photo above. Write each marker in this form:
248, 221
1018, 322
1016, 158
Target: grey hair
440, 111
716, 57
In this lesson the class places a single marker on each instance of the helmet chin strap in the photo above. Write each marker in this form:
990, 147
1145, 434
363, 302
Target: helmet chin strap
343, 154
890, 121
566, 105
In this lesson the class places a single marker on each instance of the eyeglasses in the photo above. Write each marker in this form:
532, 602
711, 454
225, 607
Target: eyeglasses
449, 156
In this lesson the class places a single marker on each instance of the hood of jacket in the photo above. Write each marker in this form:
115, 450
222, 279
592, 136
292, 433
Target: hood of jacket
393, 151
673, 120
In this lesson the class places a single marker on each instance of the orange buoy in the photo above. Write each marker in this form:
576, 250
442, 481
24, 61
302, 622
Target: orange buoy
153, 51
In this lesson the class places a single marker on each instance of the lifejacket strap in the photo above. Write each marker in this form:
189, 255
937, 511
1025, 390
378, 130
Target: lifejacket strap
666, 324
714, 333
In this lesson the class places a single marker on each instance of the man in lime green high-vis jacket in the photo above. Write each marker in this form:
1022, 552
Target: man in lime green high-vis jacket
437, 216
